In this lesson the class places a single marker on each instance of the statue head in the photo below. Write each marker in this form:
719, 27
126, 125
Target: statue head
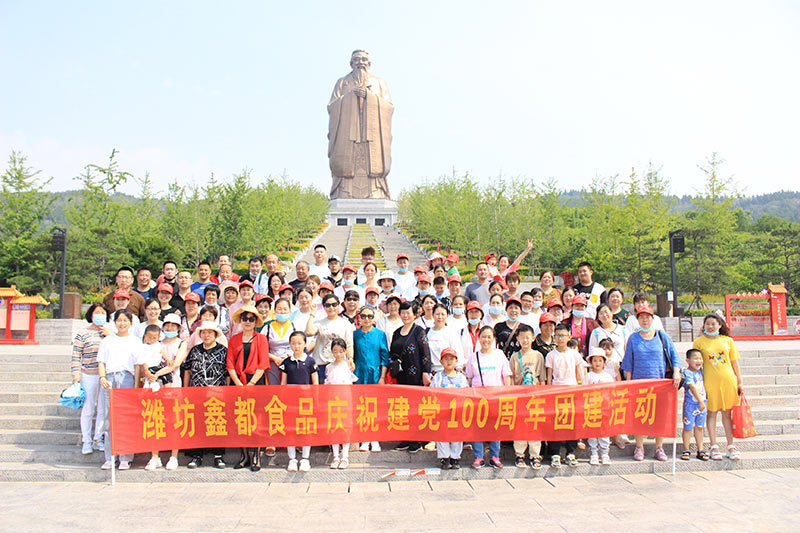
359, 60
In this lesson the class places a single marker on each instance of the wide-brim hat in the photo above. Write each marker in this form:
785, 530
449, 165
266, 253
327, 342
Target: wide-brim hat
209, 324
237, 315
596, 351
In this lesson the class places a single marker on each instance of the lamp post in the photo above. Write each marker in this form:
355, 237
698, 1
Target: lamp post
59, 244
676, 245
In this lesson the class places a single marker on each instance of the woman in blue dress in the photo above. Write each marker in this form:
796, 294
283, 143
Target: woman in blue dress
371, 357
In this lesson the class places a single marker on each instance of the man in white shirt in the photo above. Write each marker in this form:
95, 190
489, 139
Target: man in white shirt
320, 266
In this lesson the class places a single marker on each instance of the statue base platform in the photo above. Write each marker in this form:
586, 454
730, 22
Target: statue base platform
372, 211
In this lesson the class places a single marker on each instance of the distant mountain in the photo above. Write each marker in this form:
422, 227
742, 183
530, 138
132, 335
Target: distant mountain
61, 200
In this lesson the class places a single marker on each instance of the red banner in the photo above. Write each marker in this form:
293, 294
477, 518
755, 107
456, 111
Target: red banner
295, 415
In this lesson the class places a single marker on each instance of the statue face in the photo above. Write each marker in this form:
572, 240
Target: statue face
360, 60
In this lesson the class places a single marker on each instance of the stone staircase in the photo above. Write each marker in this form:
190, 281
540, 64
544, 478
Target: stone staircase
362, 236
39, 439
392, 242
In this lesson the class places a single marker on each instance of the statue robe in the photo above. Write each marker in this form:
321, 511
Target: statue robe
360, 154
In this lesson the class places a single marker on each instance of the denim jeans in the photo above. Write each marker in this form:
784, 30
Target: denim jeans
118, 380
494, 449
91, 384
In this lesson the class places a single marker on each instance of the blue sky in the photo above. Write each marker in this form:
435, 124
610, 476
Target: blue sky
561, 90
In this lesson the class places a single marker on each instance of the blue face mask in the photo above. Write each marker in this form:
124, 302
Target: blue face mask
347, 282
474, 321
99, 320
645, 330
424, 292
170, 334
512, 320
711, 334
371, 306
458, 311
496, 309
580, 313
283, 317
402, 270
537, 304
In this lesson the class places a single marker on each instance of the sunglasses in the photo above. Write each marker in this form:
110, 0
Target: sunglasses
248, 318
366, 316
351, 299
330, 306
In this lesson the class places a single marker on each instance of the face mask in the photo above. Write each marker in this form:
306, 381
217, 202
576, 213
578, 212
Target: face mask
283, 317
474, 321
495, 309
402, 270
371, 306
425, 292
99, 320
347, 282
580, 313
458, 311
711, 334
512, 319
170, 334
645, 330
537, 304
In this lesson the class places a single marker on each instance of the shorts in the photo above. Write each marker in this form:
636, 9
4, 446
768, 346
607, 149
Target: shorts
694, 418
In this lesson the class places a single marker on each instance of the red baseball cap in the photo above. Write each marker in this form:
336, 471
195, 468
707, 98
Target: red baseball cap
555, 302
474, 304
644, 309
372, 289
351, 268
579, 299
423, 278
513, 300
452, 257
419, 268
261, 297
123, 293
192, 297
285, 287
402, 256
448, 352
489, 256
454, 278
165, 287
546, 317
326, 285
246, 283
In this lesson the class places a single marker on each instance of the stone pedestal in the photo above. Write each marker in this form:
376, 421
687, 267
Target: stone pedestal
375, 212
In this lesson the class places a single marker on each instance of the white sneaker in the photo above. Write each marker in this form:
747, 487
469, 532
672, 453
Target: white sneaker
106, 466
594, 460
344, 463
292, 465
153, 464
172, 464
305, 465
376, 447
364, 447
98, 445
124, 465
335, 463
605, 460
431, 446
87, 449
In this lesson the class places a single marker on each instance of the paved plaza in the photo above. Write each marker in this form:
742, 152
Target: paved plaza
744, 500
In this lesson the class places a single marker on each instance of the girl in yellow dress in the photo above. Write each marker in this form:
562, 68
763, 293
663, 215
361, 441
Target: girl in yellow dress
723, 380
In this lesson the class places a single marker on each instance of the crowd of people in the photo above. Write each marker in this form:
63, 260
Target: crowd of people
334, 323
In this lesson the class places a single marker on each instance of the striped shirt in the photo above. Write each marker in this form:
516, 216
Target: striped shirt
84, 351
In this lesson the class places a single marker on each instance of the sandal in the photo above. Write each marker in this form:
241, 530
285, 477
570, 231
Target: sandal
702, 455
733, 453
686, 455
715, 455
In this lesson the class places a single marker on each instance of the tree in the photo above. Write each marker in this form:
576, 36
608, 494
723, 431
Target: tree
24, 248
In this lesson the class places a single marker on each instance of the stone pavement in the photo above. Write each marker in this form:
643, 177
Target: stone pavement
764, 500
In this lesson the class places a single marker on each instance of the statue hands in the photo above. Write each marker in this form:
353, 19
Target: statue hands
361, 92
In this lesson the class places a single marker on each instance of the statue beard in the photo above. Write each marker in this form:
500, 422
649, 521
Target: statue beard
361, 75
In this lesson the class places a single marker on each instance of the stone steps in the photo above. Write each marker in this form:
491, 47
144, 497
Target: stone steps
359, 472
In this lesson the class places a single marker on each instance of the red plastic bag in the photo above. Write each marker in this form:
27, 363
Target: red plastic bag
743, 426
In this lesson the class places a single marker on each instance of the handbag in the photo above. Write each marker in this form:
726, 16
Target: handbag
669, 373
742, 419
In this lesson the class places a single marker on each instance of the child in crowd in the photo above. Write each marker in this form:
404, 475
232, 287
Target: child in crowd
298, 369
597, 359
612, 363
527, 368
564, 367
339, 373
152, 358
694, 405
449, 453
488, 367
